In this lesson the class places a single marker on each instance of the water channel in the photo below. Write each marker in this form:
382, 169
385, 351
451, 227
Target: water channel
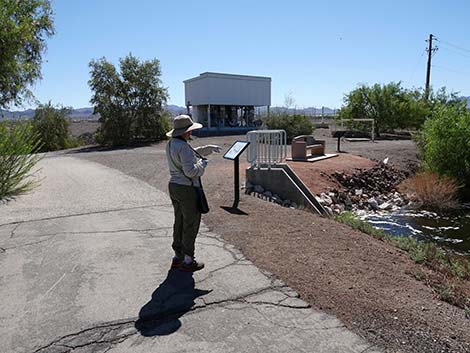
450, 230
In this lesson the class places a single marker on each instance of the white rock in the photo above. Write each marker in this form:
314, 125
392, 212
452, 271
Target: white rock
361, 213
385, 206
358, 192
326, 199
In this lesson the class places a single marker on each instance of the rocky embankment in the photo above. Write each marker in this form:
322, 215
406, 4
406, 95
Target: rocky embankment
369, 190
259, 191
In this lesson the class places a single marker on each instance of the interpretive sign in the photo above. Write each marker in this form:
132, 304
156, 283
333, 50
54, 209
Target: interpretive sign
233, 154
236, 150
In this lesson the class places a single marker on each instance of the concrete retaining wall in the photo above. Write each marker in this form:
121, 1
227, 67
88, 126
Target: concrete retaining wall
282, 180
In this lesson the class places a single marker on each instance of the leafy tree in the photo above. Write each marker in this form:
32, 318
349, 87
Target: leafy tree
389, 105
446, 141
52, 126
25, 25
130, 102
18, 146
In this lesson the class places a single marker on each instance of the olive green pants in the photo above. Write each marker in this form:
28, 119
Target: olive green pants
187, 219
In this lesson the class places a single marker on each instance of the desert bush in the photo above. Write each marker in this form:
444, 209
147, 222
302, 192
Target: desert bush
294, 125
130, 102
392, 106
18, 145
446, 141
52, 126
431, 190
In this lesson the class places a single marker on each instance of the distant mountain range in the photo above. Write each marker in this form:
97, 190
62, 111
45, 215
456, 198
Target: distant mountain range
76, 114
87, 113
79, 114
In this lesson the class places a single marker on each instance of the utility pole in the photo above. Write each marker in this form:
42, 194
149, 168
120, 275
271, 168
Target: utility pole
430, 51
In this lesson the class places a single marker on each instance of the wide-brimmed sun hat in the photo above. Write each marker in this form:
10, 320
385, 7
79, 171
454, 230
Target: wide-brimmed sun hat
181, 124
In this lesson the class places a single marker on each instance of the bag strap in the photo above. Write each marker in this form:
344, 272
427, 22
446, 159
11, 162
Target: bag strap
201, 157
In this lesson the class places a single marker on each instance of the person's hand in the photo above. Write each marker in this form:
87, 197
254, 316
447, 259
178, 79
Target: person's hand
215, 148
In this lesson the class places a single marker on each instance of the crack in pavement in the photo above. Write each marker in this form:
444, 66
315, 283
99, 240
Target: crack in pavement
12, 233
235, 253
5, 249
234, 263
52, 235
85, 214
98, 330
112, 333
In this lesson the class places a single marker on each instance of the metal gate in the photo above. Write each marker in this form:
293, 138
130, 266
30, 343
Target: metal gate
267, 147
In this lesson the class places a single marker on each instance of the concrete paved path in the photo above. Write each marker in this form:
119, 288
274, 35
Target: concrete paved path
85, 261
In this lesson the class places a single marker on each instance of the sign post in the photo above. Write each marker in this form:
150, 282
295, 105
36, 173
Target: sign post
233, 154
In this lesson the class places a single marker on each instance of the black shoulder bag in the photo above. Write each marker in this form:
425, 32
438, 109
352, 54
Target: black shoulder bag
201, 200
202, 204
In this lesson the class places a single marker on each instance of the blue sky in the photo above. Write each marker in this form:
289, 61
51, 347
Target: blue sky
318, 50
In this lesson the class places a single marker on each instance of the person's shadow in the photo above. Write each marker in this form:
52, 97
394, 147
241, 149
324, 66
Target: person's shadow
173, 298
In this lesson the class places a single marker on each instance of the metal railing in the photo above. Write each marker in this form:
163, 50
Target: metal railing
267, 147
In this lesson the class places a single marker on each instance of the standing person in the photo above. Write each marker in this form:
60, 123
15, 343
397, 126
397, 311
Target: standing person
187, 165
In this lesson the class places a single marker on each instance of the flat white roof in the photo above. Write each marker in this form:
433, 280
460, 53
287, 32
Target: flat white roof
228, 76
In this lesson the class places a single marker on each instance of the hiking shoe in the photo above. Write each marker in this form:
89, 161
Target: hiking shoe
176, 263
192, 267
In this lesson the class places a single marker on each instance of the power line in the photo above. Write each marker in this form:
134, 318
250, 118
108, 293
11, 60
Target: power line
439, 67
454, 51
418, 62
453, 45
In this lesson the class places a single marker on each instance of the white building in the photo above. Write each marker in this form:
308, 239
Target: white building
223, 102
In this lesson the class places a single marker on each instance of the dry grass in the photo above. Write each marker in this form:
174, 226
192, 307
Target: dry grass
431, 190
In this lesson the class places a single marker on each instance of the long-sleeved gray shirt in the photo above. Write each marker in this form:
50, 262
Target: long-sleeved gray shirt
185, 166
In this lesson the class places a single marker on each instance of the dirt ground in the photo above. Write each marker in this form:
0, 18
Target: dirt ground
368, 284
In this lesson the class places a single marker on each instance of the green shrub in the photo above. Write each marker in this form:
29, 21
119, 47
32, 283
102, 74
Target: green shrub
446, 142
52, 126
446, 293
294, 125
18, 145
351, 220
